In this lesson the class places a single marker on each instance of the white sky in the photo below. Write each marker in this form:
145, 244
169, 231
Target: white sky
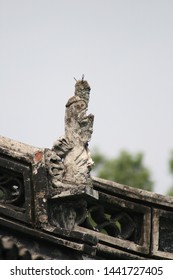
125, 50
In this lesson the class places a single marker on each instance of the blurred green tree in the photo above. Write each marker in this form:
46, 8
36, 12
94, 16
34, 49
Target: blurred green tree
170, 192
126, 169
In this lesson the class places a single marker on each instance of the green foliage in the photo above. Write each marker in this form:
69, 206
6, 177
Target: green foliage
170, 192
171, 163
126, 169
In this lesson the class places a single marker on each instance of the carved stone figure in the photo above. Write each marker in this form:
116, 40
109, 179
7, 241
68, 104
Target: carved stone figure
70, 160
68, 214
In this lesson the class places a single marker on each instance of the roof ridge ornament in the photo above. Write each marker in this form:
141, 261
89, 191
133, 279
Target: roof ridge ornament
69, 161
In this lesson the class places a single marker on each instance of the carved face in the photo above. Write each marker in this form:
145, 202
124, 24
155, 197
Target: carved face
69, 217
80, 106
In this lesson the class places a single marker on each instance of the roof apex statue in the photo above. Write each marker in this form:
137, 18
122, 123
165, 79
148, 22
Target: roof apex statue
69, 161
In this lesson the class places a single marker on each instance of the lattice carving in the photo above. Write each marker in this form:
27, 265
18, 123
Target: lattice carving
118, 224
11, 188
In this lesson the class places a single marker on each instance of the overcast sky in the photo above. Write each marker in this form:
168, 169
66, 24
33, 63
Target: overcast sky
125, 50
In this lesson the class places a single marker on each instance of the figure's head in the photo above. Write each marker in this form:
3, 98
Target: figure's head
82, 89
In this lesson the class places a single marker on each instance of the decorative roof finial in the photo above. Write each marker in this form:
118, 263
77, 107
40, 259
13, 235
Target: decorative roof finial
70, 161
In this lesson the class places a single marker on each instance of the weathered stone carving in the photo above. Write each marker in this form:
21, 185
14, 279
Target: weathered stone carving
69, 161
68, 214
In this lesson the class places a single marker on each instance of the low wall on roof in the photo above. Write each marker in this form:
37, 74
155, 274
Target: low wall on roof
106, 220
